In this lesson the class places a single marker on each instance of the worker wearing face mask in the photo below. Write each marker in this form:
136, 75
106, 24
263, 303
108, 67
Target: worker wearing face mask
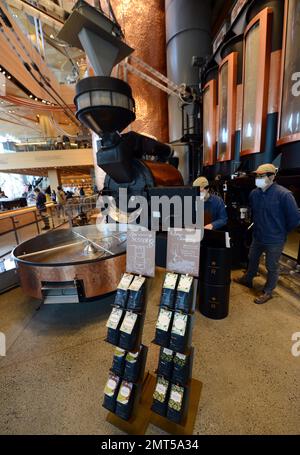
275, 213
213, 205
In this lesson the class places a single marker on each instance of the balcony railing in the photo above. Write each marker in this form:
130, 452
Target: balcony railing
43, 144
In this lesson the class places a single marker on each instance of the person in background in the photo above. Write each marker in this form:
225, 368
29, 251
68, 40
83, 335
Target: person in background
213, 205
31, 196
275, 213
61, 200
81, 192
48, 194
53, 196
41, 207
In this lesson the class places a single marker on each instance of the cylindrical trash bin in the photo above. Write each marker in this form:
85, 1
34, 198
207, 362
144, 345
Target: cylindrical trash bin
214, 289
214, 300
215, 265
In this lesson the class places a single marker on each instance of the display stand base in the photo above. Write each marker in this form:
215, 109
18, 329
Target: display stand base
138, 423
187, 427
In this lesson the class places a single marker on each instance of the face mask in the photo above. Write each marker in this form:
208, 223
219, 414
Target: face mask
262, 182
205, 194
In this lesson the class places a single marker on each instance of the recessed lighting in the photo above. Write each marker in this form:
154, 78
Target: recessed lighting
8, 77
35, 99
30, 96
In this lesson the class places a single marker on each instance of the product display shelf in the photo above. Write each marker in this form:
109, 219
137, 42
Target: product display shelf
182, 424
138, 421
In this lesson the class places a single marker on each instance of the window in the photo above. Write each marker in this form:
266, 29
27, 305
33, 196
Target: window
209, 123
289, 112
227, 107
255, 81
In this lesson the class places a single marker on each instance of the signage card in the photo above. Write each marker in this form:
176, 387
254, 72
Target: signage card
183, 251
140, 257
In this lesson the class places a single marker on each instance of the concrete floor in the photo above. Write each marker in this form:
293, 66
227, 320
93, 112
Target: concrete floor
53, 376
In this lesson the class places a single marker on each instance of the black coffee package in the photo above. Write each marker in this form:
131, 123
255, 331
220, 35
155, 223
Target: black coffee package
111, 391
165, 364
181, 368
122, 290
176, 404
113, 325
125, 400
129, 331
136, 299
163, 327
160, 396
180, 333
118, 365
133, 364
168, 291
184, 294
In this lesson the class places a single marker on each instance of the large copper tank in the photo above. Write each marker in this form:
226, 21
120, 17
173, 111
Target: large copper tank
144, 25
98, 272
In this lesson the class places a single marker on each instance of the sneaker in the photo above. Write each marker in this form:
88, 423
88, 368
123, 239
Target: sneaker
263, 298
243, 281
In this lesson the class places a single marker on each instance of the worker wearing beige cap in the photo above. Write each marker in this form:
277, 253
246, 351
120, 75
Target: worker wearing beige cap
275, 213
213, 205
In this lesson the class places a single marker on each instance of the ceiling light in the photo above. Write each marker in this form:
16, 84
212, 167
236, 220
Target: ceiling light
8, 77
30, 96
4, 73
52, 36
43, 101
35, 99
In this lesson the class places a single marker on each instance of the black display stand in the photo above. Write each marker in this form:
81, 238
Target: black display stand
179, 421
139, 418
140, 262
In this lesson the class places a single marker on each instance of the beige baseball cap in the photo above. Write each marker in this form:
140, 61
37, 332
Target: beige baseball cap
266, 169
201, 181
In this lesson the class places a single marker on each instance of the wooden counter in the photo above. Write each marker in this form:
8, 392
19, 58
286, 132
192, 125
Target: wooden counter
20, 217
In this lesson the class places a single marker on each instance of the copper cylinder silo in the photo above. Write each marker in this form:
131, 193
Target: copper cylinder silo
143, 23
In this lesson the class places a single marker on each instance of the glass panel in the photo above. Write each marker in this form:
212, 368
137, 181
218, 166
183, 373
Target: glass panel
83, 101
223, 112
250, 88
102, 98
290, 113
120, 100
207, 136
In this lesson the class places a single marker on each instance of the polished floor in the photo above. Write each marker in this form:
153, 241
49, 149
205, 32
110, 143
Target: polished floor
52, 378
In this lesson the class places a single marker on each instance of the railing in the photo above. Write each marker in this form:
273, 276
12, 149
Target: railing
43, 144
15, 229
